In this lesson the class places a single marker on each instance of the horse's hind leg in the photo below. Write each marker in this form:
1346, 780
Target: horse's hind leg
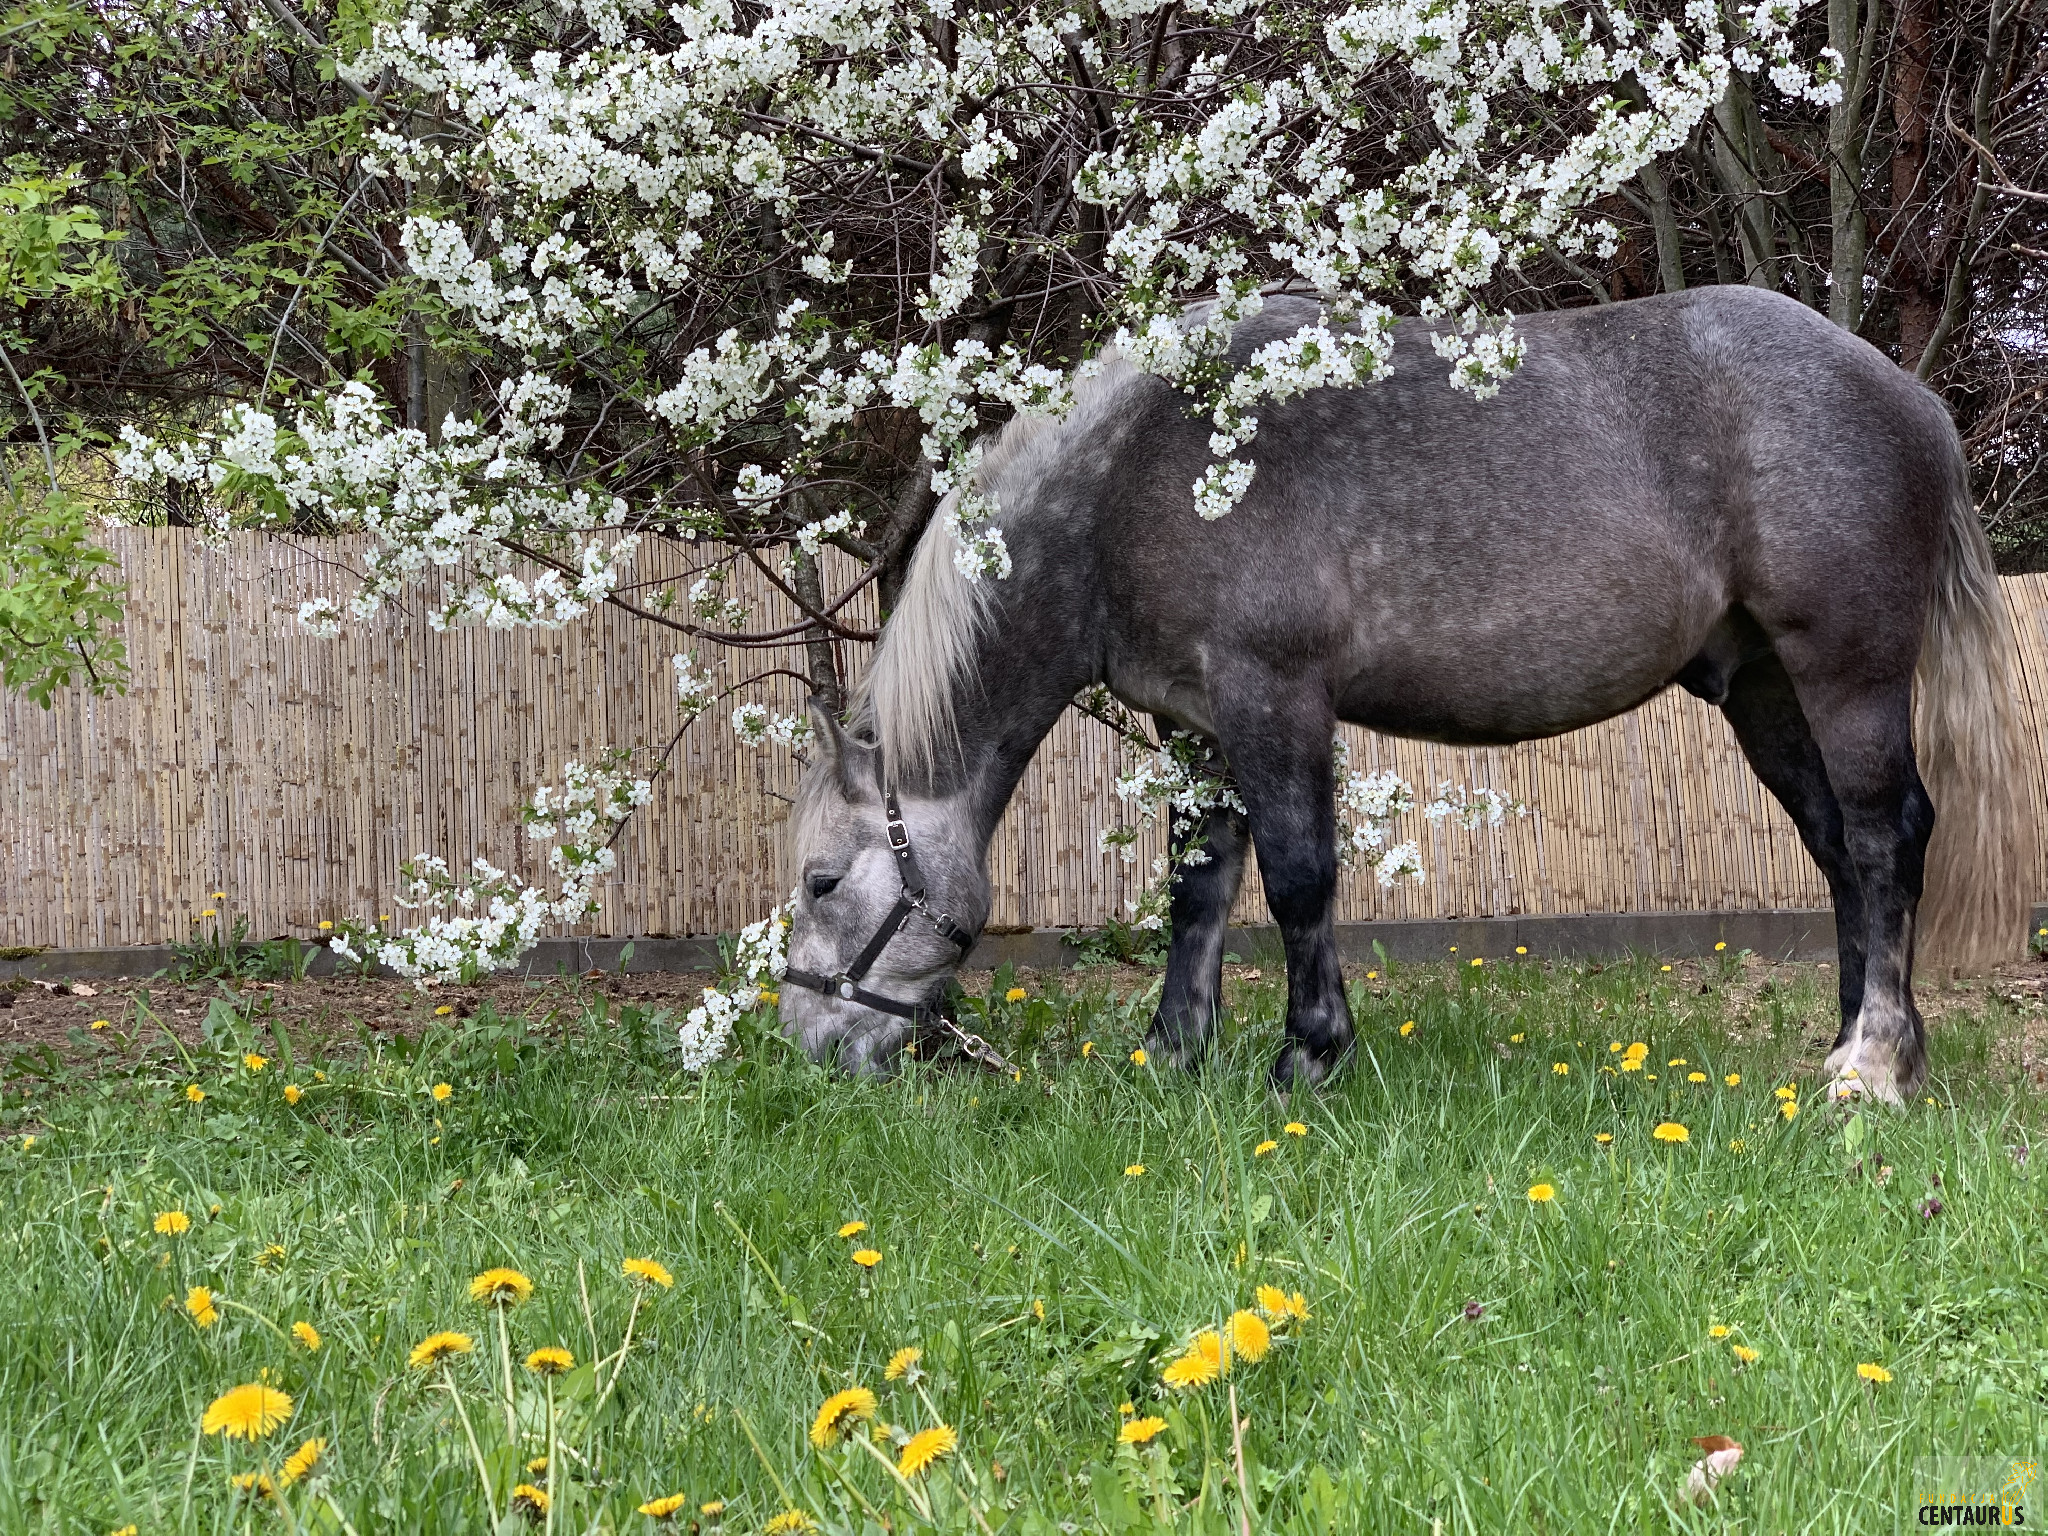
1203, 890
1276, 731
1861, 714
1770, 725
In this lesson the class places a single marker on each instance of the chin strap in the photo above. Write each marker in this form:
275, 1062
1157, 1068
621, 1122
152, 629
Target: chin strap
928, 1020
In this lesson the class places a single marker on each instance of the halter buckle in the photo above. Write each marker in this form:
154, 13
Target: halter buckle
899, 836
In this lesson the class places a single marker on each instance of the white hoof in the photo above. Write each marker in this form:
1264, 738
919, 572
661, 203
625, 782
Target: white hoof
1863, 1071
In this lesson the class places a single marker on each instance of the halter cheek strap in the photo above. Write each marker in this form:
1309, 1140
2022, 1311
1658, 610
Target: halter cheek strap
847, 984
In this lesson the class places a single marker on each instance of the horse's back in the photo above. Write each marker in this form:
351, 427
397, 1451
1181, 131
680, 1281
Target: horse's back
1492, 570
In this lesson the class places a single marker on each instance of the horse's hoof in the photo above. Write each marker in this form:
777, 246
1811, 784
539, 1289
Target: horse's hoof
1186, 1055
1298, 1067
1861, 1071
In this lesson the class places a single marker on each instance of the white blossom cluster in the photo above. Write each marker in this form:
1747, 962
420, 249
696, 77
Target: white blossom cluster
449, 511
1473, 808
759, 961
487, 922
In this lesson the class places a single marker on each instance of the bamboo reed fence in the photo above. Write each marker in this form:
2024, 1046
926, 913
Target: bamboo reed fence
294, 774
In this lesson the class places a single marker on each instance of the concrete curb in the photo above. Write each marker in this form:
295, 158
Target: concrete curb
1778, 934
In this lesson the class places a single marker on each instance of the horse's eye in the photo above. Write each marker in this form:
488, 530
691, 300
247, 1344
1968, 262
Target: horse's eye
822, 885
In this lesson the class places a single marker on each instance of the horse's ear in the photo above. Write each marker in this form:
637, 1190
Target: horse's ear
838, 753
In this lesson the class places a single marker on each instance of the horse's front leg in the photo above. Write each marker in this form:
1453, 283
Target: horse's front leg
1276, 732
1208, 867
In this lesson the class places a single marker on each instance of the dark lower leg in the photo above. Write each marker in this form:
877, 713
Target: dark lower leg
1769, 723
1208, 867
1866, 739
1279, 747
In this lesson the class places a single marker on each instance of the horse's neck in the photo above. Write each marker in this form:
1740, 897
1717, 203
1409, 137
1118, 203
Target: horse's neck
1022, 681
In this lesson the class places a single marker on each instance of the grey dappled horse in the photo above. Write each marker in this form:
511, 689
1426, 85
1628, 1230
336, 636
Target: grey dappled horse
1718, 489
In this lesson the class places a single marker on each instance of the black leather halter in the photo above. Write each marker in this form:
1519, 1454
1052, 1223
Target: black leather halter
847, 984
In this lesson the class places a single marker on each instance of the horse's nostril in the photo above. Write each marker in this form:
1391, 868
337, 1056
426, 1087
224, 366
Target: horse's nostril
823, 885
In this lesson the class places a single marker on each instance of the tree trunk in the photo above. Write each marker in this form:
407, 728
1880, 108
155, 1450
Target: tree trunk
1854, 38
821, 657
1916, 275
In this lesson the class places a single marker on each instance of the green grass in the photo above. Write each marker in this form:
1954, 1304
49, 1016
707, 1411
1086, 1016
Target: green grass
1565, 1402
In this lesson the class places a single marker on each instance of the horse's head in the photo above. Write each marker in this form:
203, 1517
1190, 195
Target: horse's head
884, 910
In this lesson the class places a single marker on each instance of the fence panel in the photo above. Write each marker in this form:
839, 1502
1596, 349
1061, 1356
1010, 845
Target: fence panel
295, 774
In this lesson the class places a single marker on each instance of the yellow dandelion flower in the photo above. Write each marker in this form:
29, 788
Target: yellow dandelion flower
1873, 1373
1613, 1045
436, 1347
1637, 1048
1407, 1029
1135, 1171
1014, 995
529, 1500
1263, 1148
653, 1271
1250, 1338
325, 924
1604, 1138
1521, 949
901, 1362
171, 1223
442, 1092
711, 1509
1561, 1068
1087, 1049
1743, 1353
272, 1256
1139, 1056
926, 1447
1372, 975
1202, 1363
199, 1302
207, 913
853, 1229
194, 1092
247, 1412
1789, 1108
791, 1522
1672, 1131
293, 1093
1631, 1063
1695, 1077
1677, 1061
838, 1412
1663, 967
1719, 1331
1733, 1079
257, 1483
1789, 1091
867, 1258
663, 1507
101, 1023
1295, 1128
1038, 1308
538, 1464
302, 1461
550, 1360
1477, 962
1720, 945
444, 1010
307, 1335
1139, 1431
1541, 1194
1272, 1301
500, 1288
254, 1062
126, 1530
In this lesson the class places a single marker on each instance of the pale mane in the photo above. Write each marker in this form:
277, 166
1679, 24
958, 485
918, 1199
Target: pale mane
927, 648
